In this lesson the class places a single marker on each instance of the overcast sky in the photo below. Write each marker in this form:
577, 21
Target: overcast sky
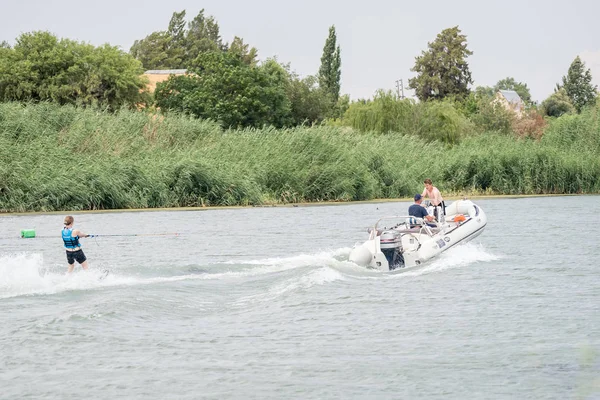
533, 41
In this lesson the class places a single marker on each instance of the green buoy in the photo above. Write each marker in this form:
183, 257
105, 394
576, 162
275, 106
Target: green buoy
27, 233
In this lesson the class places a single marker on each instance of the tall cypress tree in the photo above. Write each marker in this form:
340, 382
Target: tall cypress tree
330, 71
176, 46
578, 85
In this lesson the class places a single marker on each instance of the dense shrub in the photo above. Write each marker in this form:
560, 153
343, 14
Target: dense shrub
531, 124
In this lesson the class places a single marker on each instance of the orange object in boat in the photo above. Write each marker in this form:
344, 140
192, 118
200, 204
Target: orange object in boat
459, 218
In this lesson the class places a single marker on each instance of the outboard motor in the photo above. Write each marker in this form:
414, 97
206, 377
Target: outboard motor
391, 246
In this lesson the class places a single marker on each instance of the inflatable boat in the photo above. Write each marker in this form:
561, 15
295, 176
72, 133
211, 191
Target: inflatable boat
402, 242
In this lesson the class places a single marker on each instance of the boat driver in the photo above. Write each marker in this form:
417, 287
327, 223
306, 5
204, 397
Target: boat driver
434, 196
418, 211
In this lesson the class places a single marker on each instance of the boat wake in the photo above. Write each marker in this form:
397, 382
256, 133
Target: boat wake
457, 257
26, 274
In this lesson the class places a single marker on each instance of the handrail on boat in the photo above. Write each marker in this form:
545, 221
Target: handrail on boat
402, 219
417, 221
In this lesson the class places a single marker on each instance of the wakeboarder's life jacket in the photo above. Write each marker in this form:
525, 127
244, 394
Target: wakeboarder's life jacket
70, 242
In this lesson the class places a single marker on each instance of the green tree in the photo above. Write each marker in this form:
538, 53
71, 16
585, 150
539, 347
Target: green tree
203, 36
178, 47
113, 78
309, 102
223, 88
177, 42
275, 95
241, 49
519, 87
492, 116
177, 28
164, 49
330, 71
6, 57
443, 70
153, 51
578, 85
485, 92
41, 67
558, 104
342, 105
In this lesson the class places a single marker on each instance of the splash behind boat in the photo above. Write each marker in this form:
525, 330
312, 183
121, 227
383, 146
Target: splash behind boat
406, 242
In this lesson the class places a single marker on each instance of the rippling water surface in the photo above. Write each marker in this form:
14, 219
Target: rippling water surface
262, 303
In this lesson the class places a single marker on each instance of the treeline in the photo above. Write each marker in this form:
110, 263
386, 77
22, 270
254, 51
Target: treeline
225, 82
448, 110
72, 158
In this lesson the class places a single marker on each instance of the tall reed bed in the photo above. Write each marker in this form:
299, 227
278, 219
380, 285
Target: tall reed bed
66, 158
504, 165
578, 132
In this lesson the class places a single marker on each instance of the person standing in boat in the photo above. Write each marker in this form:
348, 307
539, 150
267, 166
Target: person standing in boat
418, 211
435, 197
70, 239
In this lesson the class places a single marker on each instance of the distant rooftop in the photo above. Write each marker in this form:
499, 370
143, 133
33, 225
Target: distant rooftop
165, 72
511, 96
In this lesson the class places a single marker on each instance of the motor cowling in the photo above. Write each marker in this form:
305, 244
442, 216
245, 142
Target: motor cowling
390, 243
390, 240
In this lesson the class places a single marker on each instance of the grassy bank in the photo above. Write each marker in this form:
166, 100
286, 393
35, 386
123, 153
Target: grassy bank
65, 158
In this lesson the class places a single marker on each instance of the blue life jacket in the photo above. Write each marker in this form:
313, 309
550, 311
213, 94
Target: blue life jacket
70, 242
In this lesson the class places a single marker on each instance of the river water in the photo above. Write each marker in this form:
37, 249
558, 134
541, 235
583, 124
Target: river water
261, 303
